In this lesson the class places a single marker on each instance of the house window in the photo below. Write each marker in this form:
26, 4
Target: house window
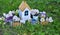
26, 13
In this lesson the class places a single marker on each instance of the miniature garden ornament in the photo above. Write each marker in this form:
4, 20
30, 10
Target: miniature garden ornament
25, 15
24, 12
50, 19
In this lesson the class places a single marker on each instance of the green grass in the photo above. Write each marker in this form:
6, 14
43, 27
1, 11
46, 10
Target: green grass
52, 7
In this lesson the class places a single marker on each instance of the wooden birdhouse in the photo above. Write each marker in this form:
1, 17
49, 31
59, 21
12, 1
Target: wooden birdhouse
24, 11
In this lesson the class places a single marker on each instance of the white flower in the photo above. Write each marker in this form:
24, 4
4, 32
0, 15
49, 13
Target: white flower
50, 19
11, 12
7, 15
34, 11
42, 19
0, 18
40, 12
44, 12
15, 18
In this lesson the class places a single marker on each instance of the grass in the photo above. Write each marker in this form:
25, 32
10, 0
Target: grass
52, 7
29, 29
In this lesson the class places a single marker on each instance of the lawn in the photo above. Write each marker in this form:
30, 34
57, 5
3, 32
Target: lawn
52, 7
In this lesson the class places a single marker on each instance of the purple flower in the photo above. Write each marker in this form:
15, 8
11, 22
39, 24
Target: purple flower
9, 19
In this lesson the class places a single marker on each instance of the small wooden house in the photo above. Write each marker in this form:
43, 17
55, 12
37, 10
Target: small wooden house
24, 11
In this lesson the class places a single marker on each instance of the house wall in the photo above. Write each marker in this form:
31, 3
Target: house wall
26, 17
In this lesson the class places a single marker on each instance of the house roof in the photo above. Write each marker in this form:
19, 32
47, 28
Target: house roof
23, 5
